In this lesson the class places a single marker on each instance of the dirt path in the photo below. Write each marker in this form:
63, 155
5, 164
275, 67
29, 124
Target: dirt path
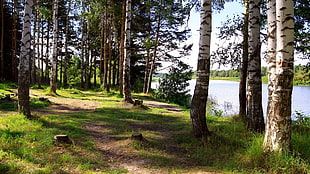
67, 105
156, 104
115, 150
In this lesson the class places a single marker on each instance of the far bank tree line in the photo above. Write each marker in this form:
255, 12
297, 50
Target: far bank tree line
126, 39
301, 74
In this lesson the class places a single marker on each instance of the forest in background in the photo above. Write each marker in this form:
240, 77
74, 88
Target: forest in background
301, 74
89, 41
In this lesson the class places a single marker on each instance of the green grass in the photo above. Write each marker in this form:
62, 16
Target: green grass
27, 146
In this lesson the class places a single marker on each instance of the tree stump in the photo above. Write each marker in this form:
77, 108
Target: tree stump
137, 137
6, 98
62, 139
138, 102
43, 99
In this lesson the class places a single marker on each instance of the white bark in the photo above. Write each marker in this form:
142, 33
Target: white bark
53, 78
199, 101
281, 64
24, 63
127, 54
255, 119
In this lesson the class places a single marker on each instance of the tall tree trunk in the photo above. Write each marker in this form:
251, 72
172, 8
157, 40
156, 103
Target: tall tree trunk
148, 54
39, 51
2, 40
14, 42
199, 100
280, 82
106, 53
53, 78
94, 69
67, 56
34, 49
110, 53
101, 67
115, 55
147, 71
127, 54
244, 68
42, 51
24, 63
87, 54
83, 43
255, 119
47, 69
122, 49
152, 70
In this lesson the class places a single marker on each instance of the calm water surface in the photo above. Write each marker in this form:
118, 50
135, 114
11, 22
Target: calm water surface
226, 95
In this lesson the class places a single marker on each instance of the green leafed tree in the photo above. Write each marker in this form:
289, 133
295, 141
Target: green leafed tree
173, 86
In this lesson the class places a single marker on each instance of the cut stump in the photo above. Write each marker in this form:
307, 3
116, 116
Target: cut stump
62, 139
137, 137
42, 99
138, 102
6, 98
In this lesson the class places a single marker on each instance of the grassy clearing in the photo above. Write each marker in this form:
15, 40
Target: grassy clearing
27, 146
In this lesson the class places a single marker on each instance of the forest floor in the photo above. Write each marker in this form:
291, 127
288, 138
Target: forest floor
100, 126
117, 151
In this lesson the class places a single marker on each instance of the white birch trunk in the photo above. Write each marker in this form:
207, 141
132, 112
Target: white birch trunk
24, 63
127, 54
255, 119
280, 82
199, 101
53, 77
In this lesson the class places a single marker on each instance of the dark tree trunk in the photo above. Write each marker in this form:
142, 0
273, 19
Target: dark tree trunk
122, 45
2, 40
101, 50
152, 70
14, 43
244, 69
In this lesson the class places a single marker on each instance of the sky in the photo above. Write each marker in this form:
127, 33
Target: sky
230, 9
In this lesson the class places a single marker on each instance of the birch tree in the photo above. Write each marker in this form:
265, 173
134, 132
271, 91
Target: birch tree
24, 63
280, 75
199, 101
127, 54
53, 77
255, 119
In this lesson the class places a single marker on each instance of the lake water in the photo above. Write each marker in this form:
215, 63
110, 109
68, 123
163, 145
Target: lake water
226, 95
